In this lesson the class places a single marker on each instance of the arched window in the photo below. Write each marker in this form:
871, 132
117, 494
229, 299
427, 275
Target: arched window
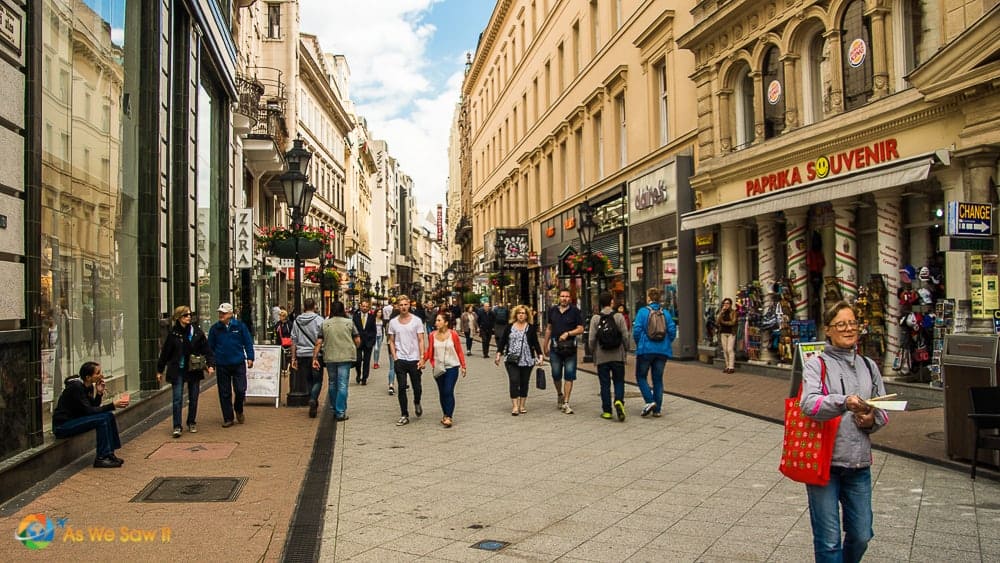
743, 108
815, 79
856, 44
773, 94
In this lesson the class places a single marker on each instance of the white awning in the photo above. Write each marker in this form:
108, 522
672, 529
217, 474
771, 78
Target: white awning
868, 180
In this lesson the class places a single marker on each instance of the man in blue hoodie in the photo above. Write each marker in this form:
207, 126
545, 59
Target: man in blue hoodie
653, 349
232, 347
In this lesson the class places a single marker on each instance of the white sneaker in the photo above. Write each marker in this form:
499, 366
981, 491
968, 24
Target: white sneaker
566, 409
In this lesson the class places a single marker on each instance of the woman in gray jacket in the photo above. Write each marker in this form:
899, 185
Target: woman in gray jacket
850, 380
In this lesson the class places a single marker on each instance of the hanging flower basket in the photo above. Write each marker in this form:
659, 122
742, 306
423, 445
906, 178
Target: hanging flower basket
328, 276
280, 241
497, 280
594, 264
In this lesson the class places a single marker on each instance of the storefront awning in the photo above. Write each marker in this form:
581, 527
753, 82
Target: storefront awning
870, 179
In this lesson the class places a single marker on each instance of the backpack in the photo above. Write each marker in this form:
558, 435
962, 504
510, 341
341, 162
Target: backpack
502, 314
656, 325
609, 337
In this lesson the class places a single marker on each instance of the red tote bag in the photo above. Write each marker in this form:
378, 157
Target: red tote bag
808, 446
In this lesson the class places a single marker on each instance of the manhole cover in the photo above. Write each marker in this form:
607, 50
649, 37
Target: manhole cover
720, 386
490, 545
939, 436
191, 489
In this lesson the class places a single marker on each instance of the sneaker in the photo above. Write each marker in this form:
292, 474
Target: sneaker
342, 417
193, 428
418, 409
106, 463
403, 420
648, 408
240, 418
559, 401
391, 390
227, 424
313, 405
620, 410
606, 416
376, 365
657, 415
566, 409
177, 432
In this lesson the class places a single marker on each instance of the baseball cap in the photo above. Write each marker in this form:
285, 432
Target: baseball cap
226, 308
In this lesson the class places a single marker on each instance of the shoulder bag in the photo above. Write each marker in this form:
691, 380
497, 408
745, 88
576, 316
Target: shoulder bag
808, 447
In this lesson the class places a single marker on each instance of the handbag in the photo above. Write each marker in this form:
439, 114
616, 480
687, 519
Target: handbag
808, 446
540, 378
197, 362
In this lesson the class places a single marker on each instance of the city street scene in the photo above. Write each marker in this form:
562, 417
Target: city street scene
275, 270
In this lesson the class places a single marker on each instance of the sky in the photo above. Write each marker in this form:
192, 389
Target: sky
407, 61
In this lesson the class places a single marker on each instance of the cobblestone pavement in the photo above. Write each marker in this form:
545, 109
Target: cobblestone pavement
699, 484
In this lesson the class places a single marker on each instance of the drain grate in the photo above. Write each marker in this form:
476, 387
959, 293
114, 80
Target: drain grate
191, 489
490, 545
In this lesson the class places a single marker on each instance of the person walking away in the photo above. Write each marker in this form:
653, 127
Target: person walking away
407, 349
232, 348
79, 409
444, 352
502, 314
379, 337
306, 329
455, 309
183, 359
469, 326
564, 324
337, 344
610, 339
364, 320
654, 331
486, 321
520, 351
283, 336
837, 383
726, 321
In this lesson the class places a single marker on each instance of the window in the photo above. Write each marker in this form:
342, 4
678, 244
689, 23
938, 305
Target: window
599, 144
563, 169
595, 27
580, 172
857, 61
560, 66
524, 113
576, 48
534, 98
622, 134
617, 14
916, 38
815, 79
661, 102
88, 103
106, 118
513, 123
743, 106
64, 85
548, 84
534, 20
773, 93
274, 21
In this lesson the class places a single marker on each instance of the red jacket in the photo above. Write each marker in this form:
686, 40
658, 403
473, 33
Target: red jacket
429, 354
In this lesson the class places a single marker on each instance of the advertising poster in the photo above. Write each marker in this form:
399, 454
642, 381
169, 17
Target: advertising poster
804, 351
264, 378
48, 372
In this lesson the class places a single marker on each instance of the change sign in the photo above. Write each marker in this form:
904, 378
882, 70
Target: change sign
970, 219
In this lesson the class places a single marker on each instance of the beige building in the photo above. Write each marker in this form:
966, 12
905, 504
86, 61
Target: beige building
574, 101
834, 141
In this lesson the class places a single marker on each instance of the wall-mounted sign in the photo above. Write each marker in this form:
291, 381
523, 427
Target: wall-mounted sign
824, 166
774, 92
857, 52
550, 232
10, 28
440, 223
569, 224
970, 219
653, 194
704, 244
244, 238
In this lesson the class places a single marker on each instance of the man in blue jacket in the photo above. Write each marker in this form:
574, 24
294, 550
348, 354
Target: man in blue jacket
232, 347
653, 349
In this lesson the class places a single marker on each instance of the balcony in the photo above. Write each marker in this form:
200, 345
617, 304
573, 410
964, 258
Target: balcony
264, 144
245, 114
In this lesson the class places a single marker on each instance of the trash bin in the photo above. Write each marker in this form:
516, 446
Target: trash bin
969, 360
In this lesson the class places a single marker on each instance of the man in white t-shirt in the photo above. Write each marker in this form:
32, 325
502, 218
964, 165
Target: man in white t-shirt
406, 348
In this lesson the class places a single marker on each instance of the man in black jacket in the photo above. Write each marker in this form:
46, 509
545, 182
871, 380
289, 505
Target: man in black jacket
79, 409
364, 321
486, 320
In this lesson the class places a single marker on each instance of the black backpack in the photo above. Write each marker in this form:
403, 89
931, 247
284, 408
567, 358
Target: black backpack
502, 314
608, 335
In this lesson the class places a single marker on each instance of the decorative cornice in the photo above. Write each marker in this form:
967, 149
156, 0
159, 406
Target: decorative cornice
486, 44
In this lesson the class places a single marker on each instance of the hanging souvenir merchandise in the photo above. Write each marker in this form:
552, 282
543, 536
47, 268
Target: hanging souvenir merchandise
918, 291
749, 307
870, 307
784, 303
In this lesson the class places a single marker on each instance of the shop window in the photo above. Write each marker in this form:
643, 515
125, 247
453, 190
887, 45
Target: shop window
856, 45
773, 94
815, 79
743, 109
916, 38
211, 217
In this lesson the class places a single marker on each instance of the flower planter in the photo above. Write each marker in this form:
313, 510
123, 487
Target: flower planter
285, 248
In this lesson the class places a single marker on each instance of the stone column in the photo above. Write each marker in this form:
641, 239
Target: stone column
890, 256
796, 247
836, 101
878, 53
729, 261
725, 122
845, 251
791, 91
758, 107
767, 242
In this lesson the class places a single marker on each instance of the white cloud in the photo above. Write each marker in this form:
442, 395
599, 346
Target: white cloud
393, 82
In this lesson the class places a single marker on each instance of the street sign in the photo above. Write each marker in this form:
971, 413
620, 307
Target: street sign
970, 219
967, 244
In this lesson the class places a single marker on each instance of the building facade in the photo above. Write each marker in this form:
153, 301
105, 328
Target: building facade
833, 138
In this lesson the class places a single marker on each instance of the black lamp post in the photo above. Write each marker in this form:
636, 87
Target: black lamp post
501, 258
587, 229
298, 197
378, 291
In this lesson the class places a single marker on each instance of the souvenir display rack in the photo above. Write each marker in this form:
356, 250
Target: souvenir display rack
871, 310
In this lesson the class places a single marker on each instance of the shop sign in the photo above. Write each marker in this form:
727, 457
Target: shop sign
653, 194
824, 166
244, 238
515, 245
569, 224
704, 244
10, 28
774, 92
996, 322
966, 244
550, 232
970, 219
857, 52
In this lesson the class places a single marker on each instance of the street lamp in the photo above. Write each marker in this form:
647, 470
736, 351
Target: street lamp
587, 229
501, 258
378, 291
351, 286
298, 197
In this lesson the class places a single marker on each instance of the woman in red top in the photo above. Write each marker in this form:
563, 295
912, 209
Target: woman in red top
444, 352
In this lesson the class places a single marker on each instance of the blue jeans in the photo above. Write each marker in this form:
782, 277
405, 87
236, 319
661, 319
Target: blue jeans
378, 346
446, 390
232, 383
193, 389
105, 424
607, 373
643, 364
563, 367
852, 489
339, 374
